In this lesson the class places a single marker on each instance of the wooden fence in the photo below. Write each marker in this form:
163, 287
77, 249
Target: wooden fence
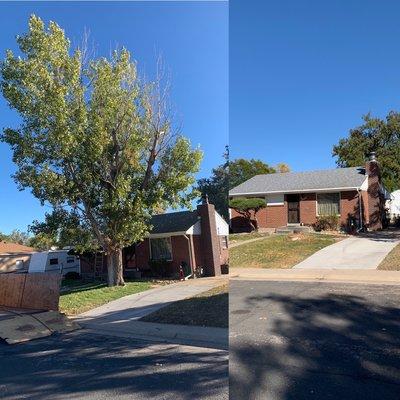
40, 291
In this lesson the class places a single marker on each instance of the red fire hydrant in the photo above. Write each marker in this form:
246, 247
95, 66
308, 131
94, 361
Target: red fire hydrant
181, 274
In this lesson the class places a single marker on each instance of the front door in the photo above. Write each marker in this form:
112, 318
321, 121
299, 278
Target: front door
293, 202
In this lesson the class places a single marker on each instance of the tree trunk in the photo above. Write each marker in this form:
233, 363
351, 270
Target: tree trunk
256, 222
114, 267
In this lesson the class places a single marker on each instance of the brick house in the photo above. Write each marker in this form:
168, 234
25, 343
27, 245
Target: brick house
193, 239
14, 256
356, 195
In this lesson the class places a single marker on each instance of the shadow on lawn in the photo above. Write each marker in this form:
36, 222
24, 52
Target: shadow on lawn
210, 311
82, 365
333, 346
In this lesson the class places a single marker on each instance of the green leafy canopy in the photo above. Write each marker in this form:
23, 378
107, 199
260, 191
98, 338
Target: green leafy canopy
95, 141
375, 134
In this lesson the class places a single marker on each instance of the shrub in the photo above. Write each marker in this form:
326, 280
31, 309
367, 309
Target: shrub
159, 268
326, 223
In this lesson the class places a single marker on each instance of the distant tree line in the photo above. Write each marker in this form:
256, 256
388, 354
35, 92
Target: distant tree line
230, 174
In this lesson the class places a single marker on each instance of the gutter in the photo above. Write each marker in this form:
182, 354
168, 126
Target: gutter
294, 191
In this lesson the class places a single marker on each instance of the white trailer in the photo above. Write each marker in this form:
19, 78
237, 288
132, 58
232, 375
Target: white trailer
54, 261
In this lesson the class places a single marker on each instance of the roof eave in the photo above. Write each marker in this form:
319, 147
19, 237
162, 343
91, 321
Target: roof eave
166, 234
296, 191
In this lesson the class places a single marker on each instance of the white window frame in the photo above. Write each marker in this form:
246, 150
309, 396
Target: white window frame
275, 200
157, 238
340, 202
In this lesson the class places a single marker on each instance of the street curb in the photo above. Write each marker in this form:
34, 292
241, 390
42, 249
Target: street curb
373, 277
197, 336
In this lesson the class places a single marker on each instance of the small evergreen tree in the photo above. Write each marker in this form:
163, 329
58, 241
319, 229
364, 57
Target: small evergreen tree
248, 208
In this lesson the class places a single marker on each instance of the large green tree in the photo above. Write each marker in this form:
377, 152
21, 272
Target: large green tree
16, 236
375, 134
240, 170
230, 174
95, 141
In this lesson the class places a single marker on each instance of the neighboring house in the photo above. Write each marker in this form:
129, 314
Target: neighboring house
192, 239
19, 258
356, 195
393, 205
14, 257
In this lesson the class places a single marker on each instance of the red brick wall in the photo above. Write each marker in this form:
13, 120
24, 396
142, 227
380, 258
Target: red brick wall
365, 206
349, 207
275, 216
223, 253
197, 259
180, 252
209, 239
375, 199
142, 255
308, 208
268, 217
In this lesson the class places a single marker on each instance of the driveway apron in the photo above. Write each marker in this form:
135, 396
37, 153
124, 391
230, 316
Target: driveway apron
360, 252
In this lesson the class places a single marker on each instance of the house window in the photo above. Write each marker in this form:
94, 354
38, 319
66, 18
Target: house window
328, 203
53, 261
161, 249
275, 199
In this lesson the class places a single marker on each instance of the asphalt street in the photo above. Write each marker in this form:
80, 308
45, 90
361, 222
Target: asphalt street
85, 365
302, 340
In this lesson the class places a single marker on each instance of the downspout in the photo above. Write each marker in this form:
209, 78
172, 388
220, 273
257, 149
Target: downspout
190, 254
360, 210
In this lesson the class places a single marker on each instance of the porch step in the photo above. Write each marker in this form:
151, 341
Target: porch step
285, 230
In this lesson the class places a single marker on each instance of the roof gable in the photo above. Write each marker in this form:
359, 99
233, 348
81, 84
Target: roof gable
340, 178
173, 222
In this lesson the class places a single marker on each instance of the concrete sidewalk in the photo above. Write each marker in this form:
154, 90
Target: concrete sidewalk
120, 317
309, 275
358, 252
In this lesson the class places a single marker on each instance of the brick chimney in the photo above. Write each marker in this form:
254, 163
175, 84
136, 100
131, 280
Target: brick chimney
375, 200
209, 238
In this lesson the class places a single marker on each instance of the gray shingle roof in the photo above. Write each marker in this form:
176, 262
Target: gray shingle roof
302, 181
173, 222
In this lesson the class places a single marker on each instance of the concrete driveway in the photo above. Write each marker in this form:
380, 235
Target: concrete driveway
365, 251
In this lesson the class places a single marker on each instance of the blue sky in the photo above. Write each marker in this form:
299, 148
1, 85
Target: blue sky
303, 72
193, 40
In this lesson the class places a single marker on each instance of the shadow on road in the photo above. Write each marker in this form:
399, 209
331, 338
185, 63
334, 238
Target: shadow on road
91, 366
317, 346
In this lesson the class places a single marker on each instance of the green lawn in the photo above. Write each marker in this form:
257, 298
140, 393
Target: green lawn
279, 251
77, 297
206, 309
392, 261
240, 237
